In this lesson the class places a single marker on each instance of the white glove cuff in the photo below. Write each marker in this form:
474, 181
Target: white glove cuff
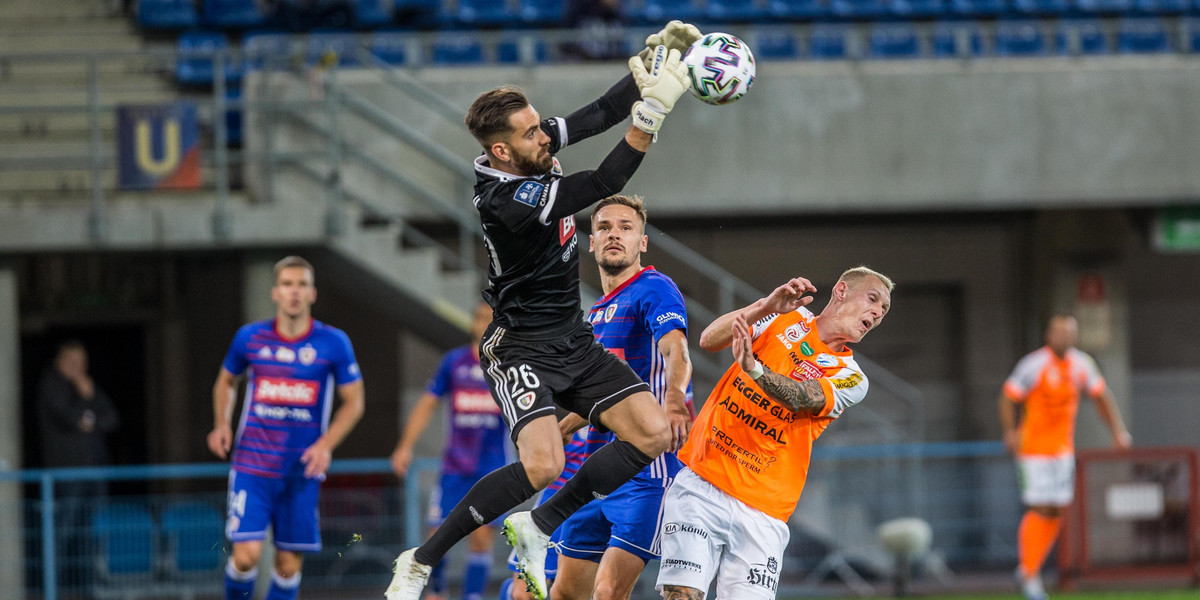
648, 115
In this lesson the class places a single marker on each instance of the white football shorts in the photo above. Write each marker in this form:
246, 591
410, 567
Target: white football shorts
1047, 480
707, 533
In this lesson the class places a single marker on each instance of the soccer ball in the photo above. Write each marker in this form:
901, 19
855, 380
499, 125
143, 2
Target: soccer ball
721, 67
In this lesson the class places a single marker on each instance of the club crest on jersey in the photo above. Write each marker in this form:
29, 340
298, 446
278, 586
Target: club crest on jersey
528, 193
610, 312
826, 360
525, 401
265, 352
286, 355
308, 355
566, 229
793, 333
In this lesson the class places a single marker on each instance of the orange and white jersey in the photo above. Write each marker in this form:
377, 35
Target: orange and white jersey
1050, 387
750, 446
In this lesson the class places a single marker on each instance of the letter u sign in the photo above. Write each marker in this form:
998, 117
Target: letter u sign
144, 148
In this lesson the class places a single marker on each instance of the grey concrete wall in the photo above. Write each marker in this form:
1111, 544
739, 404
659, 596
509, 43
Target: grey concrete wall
879, 135
12, 571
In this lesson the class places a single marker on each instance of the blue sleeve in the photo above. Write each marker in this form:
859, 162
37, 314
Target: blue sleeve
663, 309
439, 384
345, 369
235, 359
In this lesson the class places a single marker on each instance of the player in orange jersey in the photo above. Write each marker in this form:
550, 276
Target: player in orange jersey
747, 458
1048, 383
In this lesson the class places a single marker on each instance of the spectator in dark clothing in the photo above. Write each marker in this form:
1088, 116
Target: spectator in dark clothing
75, 415
601, 26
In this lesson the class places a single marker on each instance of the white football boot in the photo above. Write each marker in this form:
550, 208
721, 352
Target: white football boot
409, 577
530, 545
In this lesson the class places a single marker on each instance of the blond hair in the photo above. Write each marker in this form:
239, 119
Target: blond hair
635, 202
288, 262
854, 275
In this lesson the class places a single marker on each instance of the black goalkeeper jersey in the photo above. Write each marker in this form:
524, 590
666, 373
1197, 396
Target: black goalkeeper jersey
529, 223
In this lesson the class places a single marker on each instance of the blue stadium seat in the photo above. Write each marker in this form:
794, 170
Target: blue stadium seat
545, 13
1019, 38
1104, 6
390, 47
189, 529
194, 65
894, 41
486, 13
369, 14
954, 40
735, 11
1161, 7
797, 9
166, 14
124, 536
508, 50
1141, 36
858, 9
1192, 28
658, 12
267, 49
233, 14
1042, 7
457, 49
979, 8
775, 45
233, 117
340, 46
1090, 34
827, 42
917, 9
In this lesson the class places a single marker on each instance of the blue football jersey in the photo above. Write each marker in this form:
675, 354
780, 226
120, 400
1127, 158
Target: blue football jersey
477, 442
629, 321
289, 395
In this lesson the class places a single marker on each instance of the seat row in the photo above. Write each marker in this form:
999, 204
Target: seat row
881, 40
133, 545
372, 14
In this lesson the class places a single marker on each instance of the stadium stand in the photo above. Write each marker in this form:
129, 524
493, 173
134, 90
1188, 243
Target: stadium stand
1081, 37
233, 14
775, 44
827, 42
188, 529
124, 535
197, 51
1142, 36
1020, 38
166, 14
894, 41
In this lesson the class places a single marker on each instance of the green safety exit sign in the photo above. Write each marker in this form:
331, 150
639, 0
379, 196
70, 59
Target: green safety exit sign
1177, 229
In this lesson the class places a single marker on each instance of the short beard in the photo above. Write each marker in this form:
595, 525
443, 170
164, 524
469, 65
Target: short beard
531, 167
615, 266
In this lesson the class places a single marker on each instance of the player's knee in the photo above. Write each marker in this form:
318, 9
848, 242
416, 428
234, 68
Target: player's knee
658, 439
543, 468
607, 590
245, 557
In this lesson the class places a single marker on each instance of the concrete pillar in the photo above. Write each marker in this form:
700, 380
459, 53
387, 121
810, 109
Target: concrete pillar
258, 277
11, 525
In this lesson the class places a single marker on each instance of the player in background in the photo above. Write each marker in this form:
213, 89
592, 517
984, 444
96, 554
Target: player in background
286, 438
642, 319
538, 351
476, 444
793, 374
1048, 383
578, 446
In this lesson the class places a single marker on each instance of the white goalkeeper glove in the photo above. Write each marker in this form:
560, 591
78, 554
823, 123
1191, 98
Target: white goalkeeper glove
677, 35
661, 84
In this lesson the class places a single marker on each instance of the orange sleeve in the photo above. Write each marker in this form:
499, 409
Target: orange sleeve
1013, 392
827, 389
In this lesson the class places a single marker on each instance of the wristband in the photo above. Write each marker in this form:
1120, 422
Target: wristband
756, 372
648, 116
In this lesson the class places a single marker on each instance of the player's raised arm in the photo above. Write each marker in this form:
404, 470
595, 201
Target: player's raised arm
785, 298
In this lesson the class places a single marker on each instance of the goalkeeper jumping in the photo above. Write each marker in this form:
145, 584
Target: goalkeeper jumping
539, 351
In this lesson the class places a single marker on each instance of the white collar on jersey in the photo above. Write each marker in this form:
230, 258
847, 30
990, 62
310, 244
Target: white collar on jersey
481, 168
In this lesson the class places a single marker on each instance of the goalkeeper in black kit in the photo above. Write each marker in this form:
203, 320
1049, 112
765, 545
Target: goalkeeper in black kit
539, 351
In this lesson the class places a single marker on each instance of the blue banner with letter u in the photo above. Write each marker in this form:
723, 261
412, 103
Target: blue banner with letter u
158, 147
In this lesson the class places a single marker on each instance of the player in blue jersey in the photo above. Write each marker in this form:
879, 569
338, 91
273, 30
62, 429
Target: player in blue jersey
642, 319
579, 445
476, 444
286, 438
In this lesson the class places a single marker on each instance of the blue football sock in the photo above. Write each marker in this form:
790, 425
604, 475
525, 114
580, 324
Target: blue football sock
437, 578
239, 585
284, 588
506, 589
478, 565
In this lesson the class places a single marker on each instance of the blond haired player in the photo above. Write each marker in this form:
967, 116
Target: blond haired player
1048, 383
748, 455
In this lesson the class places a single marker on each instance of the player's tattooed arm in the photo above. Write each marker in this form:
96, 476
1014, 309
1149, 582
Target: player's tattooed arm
797, 396
679, 592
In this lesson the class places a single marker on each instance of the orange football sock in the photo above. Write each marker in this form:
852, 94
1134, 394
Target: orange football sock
1035, 538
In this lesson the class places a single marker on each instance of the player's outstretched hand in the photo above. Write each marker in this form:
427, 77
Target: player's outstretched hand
790, 296
219, 440
316, 460
742, 351
679, 418
661, 85
677, 35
